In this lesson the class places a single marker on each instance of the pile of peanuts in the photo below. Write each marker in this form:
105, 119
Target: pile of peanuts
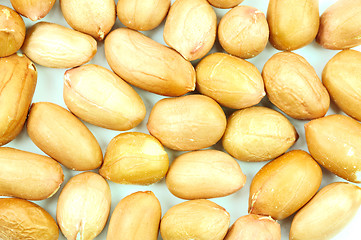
203, 126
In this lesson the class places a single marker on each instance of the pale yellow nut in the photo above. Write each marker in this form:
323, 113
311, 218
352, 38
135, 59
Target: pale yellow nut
204, 174
33, 9
135, 158
284, 185
136, 217
21, 219
83, 206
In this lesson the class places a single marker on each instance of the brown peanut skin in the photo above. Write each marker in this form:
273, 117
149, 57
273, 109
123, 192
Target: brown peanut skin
21, 219
17, 85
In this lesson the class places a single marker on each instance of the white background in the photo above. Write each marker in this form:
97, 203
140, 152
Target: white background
50, 88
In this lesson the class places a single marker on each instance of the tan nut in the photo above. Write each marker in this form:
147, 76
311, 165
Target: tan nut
225, 3
33, 9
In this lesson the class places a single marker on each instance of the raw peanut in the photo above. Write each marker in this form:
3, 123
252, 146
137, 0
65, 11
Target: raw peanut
12, 31
243, 31
294, 87
252, 226
17, 85
55, 46
225, 3
231, 81
327, 213
134, 158
28, 175
187, 123
21, 219
62, 136
335, 143
284, 185
33, 9
258, 134
147, 64
293, 24
142, 15
93, 17
195, 219
204, 174
83, 206
136, 217
190, 28
342, 78
340, 25
100, 97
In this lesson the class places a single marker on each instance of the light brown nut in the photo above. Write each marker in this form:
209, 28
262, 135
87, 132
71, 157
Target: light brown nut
100, 97
134, 158
142, 15
93, 17
136, 217
187, 123
231, 81
12, 31
225, 3
148, 64
342, 78
284, 185
243, 31
21, 219
258, 134
190, 28
252, 226
195, 219
28, 175
334, 142
327, 213
340, 25
17, 83
55, 46
294, 87
64, 137
83, 206
33, 9
293, 24
204, 174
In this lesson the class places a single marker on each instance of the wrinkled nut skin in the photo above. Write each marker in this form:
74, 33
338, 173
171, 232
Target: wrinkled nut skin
252, 226
231, 81
148, 64
184, 123
294, 87
93, 17
136, 217
28, 175
21, 219
340, 25
225, 3
63, 137
100, 97
142, 15
190, 28
33, 9
293, 24
83, 206
334, 142
284, 185
55, 46
258, 134
342, 78
249, 37
17, 85
195, 219
12, 32
134, 158
204, 174
327, 213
